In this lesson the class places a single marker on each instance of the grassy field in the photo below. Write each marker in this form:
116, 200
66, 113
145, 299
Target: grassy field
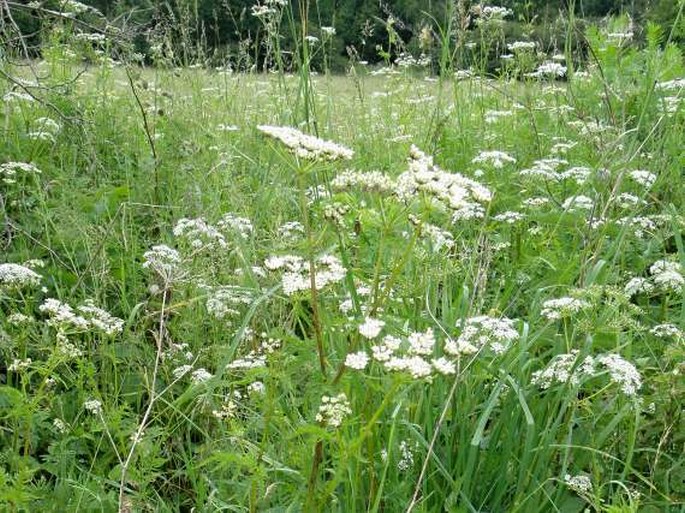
471, 302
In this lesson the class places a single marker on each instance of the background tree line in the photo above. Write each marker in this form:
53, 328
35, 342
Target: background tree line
217, 31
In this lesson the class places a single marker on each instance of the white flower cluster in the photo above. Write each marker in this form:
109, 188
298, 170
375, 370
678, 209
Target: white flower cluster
559, 370
535, 202
668, 330
439, 238
671, 85
579, 202
643, 178
406, 461
18, 318
18, 365
510, 217
199, 234
493, 116
667, 276
10, 171
257, 357
546, 169
411, 356
371, 328
231, 223
269, 7
200, 375
406, 60
565, 368
15, 96
93, 406
638, 285
482, 331
555, 309
549, 70
91, 37
580, 484
357, 361
372, 181
181, 371
228, 410
306, 146
333, 410
621, 372
296, 277
452, 189
223, 301
491, 13
15, 276
164, 261
638, 224
101, 319
45, 124
626, 200
578, 174
290, 231
74, 7
65, 348
62, 316
494, 158
522, 46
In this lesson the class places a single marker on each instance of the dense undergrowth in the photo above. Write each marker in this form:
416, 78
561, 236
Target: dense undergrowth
471, 300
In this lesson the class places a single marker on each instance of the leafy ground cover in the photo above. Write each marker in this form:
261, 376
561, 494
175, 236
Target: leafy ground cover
388, 292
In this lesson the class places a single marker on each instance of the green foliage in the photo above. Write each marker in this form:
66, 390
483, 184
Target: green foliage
208, 383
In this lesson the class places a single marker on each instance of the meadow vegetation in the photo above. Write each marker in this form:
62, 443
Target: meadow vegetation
388, 290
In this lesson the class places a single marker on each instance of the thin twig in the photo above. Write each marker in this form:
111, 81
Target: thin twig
153, 398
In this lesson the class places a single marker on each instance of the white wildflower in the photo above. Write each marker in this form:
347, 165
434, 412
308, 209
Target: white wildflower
416, 366
482, 331
306, 146
580, 484
549, 70
444, 366
579, 202
256, 388
422, 343
93, 406
496, 159
333, 410
372, 181
181, 371
621, 372
198, 234
60, 425
231, 223
15, 276
406, 461
101, 319
357, 361
638, 286
555, 309
200, 376
18, 365
667, 330
386, 349
643, 178
371, 327
163, 260
62, 315
510, 217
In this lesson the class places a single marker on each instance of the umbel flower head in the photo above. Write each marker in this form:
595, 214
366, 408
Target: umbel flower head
15, 276
306, 146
